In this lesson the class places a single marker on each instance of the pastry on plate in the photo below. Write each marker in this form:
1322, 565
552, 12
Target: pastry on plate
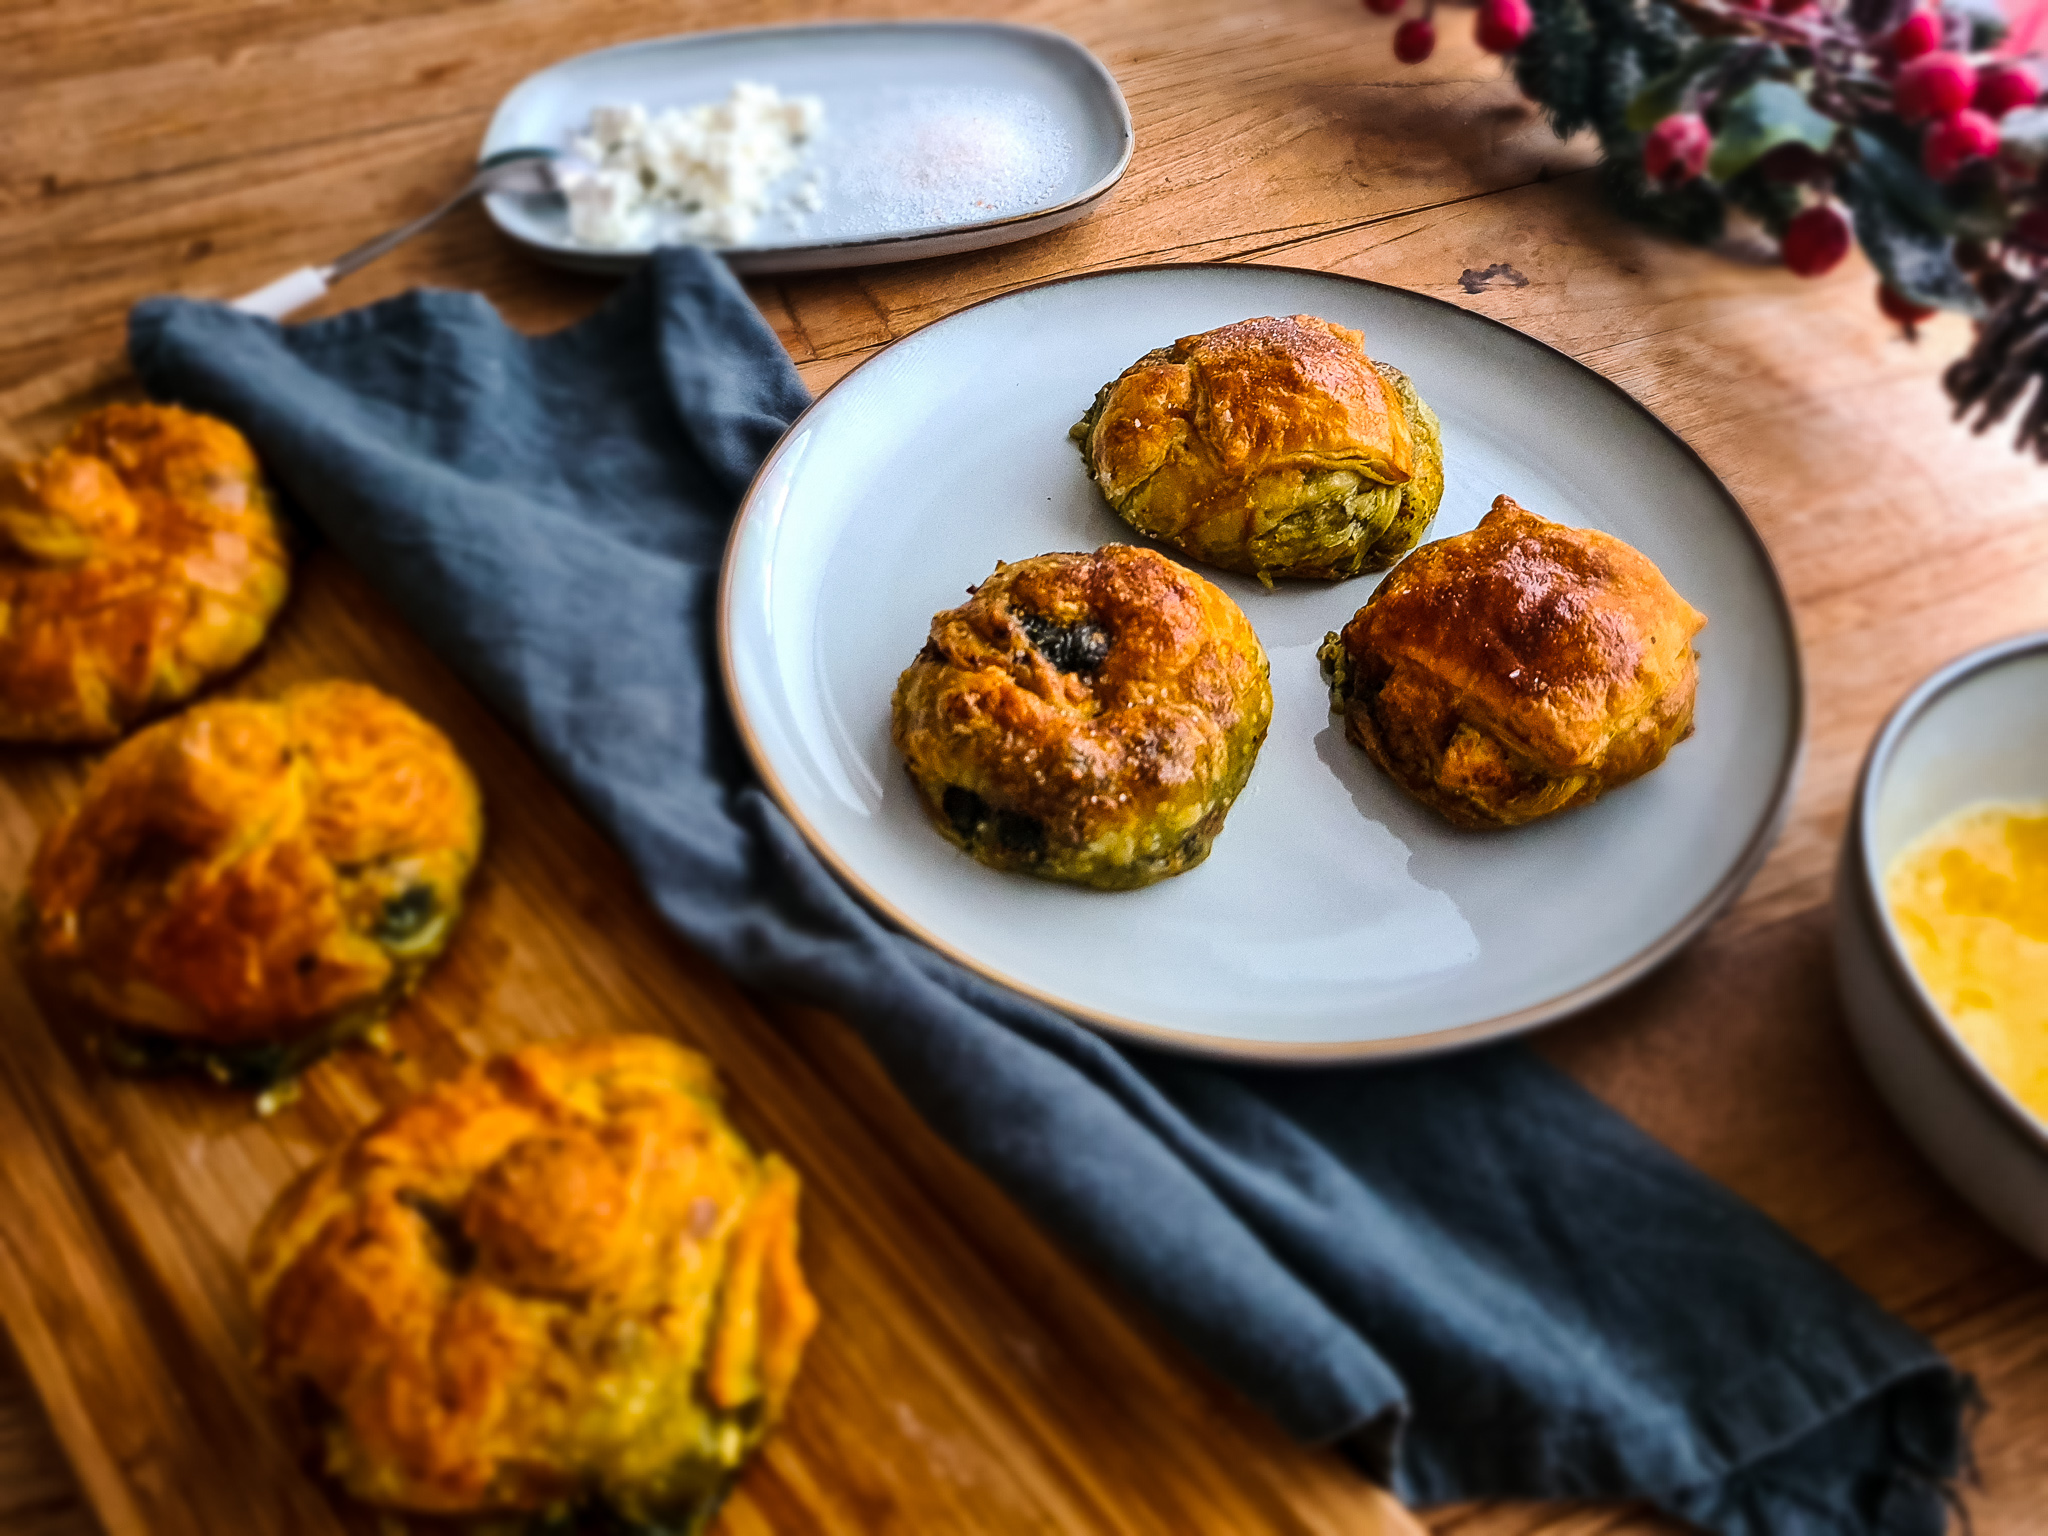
137, 562
1275, 447
245, 884
1517, 670
1085, 717
557, 1293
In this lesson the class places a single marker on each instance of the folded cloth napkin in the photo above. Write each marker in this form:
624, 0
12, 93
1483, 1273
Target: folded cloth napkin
1468, 1272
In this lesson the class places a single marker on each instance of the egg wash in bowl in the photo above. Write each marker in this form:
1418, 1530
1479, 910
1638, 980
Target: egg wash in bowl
1969, 899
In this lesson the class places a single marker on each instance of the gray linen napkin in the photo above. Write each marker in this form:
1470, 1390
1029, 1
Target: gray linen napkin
1468, 1272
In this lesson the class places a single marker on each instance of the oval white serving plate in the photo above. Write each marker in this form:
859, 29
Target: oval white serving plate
1335, 919
912, 112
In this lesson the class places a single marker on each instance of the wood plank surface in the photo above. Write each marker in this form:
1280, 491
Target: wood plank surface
970, 1376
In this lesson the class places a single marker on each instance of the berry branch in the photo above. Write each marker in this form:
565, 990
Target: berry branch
1828, 123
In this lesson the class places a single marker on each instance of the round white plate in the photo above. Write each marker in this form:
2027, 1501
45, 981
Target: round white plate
1335, 918
924, 121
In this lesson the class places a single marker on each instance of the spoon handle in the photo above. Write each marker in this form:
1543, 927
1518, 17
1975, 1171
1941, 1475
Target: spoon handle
275, 300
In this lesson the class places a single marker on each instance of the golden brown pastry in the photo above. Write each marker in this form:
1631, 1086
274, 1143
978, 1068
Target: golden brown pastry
137, 562
245, 884
1517, 670
557, 1292
1275, 447
1085, 717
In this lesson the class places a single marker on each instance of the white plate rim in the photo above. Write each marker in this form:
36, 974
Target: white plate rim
819, 254
1741, 870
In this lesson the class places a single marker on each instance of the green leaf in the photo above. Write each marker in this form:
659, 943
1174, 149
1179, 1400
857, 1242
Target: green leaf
1767, 115
1977, 204
1666, 94
1658, 100
1916, 256
1901, 181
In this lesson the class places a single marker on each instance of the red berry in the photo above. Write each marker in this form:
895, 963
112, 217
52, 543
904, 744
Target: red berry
1919, 33
1955, 140
1384, 7
1415, 40
1934, 85
2002, 87
1900, 308
1675, 151
1815, 240
1504, 25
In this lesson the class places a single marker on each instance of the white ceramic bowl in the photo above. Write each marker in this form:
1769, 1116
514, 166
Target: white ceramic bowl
1977, 730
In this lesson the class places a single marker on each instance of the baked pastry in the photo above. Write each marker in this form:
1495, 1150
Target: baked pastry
137, 562
245, 884
1085, 717
557, 1293
1517, 670
1275, 447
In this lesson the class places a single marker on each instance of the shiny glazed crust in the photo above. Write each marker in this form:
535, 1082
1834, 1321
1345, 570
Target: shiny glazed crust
248, 876
1517, 670
558, 1286
1085, 717
137, 562
1275, 447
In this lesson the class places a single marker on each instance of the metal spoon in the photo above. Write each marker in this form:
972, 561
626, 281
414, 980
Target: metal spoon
524, 171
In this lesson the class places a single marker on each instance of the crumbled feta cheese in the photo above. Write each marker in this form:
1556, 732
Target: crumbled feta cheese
606, 207
697, 173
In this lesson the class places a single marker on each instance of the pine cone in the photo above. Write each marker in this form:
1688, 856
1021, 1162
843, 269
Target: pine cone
2011, 353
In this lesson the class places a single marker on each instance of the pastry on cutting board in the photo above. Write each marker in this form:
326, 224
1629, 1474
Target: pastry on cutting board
138, 561
557, 1293
1274, 447
245, 884
1518, 670
1085, 717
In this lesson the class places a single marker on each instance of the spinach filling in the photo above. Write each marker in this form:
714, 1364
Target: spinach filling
598, 1516
253, 1067
406, 916
973, 819
683, 1501
1076, 647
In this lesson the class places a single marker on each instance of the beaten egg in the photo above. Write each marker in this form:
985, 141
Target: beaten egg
1970, 901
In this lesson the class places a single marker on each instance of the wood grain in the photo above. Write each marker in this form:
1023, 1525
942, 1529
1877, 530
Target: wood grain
38, 1496
970, 1375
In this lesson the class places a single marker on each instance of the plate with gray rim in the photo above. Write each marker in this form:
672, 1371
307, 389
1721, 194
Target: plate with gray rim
1335, 919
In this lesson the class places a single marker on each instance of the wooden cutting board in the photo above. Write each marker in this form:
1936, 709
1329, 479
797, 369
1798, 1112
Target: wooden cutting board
967, 1377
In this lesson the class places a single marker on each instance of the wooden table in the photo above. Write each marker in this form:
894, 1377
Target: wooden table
970, 1377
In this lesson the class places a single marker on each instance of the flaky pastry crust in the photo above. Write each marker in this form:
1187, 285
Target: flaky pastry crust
559, 1286
1274, 446
242, 884
137, 561
1085, 717
1517, 670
